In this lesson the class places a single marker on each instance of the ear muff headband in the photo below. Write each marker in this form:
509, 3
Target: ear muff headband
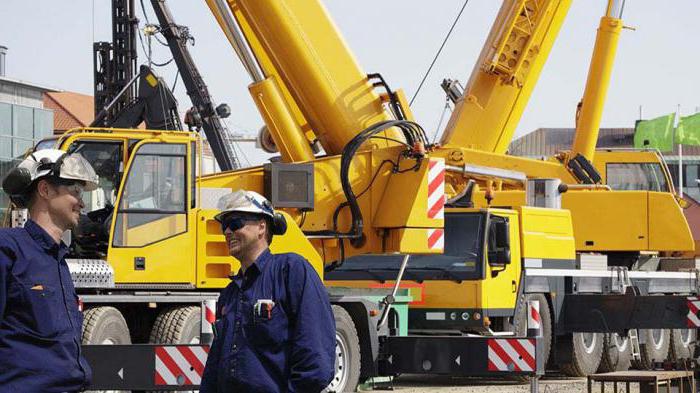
54, 168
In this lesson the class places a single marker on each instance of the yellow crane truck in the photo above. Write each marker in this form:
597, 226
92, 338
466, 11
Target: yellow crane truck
469, 234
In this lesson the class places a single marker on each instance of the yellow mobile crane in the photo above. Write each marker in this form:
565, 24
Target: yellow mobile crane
644, 218
371, 212
522, 35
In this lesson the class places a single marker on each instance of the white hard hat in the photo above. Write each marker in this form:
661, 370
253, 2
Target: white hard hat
244, 202
49, 162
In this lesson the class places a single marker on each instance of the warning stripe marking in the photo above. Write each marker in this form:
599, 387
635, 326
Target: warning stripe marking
501, 355
522, 350
180, 365
436, 188
436, 182
436, 239
495, 361
515, 356
168, 370
693, 308
185, 367
511, 355
193, 361
534, 318
210, 314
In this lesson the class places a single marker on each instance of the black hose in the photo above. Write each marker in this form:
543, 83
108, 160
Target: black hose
412, 132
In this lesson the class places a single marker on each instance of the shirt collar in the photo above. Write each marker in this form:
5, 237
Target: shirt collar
41, 236
257, 266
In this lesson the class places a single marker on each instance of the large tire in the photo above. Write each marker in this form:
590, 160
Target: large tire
683, 344
177, 325
545, 320
653, 347
347, 351
580, 354
105, 326
617, 353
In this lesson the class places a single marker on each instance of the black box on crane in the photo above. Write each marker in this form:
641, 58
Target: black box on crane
290, 185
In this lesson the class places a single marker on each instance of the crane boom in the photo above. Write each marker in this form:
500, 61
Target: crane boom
588, 120
299, 47
196, 89
505, 74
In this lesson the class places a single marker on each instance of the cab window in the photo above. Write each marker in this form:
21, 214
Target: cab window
153, 204
636, 176
106, 159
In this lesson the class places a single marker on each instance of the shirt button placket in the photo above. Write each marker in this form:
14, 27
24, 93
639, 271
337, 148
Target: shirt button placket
237, 324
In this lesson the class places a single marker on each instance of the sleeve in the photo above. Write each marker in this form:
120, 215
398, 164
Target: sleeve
6, 261
210, 374
312, 328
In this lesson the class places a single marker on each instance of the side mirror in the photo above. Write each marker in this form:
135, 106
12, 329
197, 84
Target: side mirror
499, 241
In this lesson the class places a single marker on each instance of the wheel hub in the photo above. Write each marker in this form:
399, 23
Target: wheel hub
340, 377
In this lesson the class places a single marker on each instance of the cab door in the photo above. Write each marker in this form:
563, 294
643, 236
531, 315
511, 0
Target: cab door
502, 263
152, 236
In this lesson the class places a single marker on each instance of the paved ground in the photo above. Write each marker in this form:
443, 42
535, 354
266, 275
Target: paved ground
423, 384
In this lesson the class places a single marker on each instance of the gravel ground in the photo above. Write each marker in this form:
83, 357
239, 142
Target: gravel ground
424, 384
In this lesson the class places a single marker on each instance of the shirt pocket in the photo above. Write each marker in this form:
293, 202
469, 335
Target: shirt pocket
41, 311
269, 333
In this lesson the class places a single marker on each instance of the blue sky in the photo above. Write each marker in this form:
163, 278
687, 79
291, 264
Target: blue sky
657, 66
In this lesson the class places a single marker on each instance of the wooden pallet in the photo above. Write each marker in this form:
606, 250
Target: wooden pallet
649, 381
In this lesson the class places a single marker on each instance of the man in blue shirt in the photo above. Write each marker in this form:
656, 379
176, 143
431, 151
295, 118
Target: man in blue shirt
275, 330
40, 321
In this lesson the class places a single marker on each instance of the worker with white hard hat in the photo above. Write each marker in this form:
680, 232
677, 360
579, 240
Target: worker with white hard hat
40, 315
274, 329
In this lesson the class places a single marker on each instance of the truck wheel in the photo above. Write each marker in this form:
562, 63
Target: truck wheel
545, 319
177, 325
617, 353
581, 354
105, 326
347, 353
655, 347
683, 344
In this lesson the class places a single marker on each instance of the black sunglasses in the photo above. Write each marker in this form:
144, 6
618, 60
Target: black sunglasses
236, 223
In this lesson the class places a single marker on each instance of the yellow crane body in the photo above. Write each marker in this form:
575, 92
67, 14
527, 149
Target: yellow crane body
541, 233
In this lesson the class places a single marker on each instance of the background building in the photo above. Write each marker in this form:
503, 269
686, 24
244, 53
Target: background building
23, 118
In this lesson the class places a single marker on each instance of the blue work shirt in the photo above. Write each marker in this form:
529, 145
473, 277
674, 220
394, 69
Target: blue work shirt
291, 349
40, 322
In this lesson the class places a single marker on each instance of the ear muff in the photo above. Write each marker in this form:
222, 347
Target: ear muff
17, 181
279, 224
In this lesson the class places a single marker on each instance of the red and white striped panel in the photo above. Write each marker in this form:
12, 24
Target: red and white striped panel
533, 314
436, 239
693, 308
436, 188
512, 354
180, 365
208, 315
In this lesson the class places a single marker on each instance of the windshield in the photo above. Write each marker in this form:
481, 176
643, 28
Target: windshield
636, 177
462, 258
